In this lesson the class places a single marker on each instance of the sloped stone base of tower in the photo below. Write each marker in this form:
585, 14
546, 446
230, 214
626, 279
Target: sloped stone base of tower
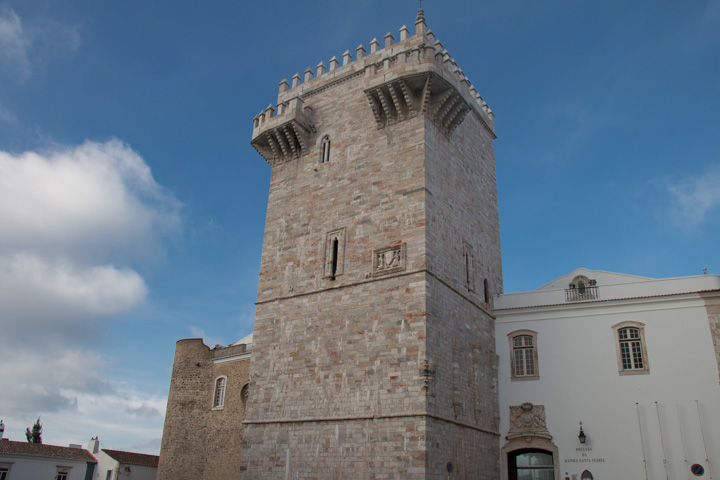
381, 448
418, 447
460, 452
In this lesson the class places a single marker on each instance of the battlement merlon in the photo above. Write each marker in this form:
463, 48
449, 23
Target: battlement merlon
284, 132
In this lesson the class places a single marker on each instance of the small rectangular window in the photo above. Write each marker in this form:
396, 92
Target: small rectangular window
4, 473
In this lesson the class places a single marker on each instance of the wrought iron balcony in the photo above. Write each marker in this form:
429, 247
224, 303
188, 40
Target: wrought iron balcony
582, 293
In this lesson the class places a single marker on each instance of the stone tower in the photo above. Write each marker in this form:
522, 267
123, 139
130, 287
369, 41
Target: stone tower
373, 353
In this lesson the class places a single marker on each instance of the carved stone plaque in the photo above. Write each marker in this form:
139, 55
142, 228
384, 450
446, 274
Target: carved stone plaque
388, 260
527, 419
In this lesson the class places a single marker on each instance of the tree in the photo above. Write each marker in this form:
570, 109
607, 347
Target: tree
34, 435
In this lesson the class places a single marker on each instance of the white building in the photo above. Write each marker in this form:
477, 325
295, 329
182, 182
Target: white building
37, 461
635, 359
119, 465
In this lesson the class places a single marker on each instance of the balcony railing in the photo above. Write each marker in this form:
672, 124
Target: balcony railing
581, 294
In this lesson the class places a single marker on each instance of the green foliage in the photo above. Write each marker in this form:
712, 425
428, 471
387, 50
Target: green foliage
34, 435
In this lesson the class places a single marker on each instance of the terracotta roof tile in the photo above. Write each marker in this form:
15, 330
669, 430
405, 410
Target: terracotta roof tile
9, 447
130, 458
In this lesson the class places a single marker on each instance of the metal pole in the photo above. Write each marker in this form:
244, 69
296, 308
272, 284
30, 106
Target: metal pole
682, 440
662, 442
702, 432
642, 444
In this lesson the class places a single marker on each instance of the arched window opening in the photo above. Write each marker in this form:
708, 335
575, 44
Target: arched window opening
631, 349
219, 398
586, 475
325, 150
244, 394
524, 361
523, 355
582, 288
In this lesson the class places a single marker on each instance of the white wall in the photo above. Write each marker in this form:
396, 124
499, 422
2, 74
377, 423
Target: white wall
35, 468
579, 381
106, 462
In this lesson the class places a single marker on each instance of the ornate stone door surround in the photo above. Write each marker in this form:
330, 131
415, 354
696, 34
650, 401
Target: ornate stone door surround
528, 430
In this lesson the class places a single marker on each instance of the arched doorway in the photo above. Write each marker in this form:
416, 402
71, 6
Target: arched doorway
586, 475
530, 464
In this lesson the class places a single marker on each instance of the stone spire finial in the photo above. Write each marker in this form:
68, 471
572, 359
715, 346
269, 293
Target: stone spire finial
295, 80
404, 33
360, 52
334, 63
269, 111
308, 74
346, 57
420, 25
374, 44
389, 39
320, 68
284, 85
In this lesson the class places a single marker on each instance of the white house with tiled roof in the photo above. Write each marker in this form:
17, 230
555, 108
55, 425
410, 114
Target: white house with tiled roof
37, 461
119, 465
635, 359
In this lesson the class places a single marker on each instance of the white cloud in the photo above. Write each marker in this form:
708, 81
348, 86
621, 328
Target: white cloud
207, 340
74, 401
73, 221
59, 296
94, 199
47, 379
691, 199
26, 45
14, 43
6, 116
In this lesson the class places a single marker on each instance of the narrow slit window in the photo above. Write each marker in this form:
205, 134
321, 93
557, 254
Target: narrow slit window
468, 266
325, 150
334, 254
486, 290
333, 268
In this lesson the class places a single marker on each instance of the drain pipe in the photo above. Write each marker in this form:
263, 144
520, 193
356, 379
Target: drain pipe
642, 444
702, 432
662, 442
682, 441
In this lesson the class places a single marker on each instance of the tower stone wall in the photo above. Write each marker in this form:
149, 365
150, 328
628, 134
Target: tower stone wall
199, 441
373, 352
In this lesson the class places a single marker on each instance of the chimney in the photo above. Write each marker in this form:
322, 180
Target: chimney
94, 445
2, 429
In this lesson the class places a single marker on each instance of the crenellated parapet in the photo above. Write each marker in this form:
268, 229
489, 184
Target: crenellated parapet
415, 76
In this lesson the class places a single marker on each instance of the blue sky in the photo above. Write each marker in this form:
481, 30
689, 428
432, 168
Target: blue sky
132, 205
